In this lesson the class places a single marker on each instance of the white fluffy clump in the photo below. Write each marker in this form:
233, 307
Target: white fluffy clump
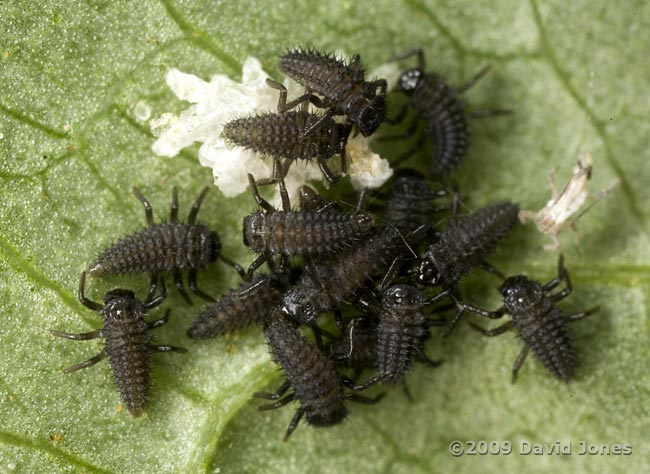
217, 102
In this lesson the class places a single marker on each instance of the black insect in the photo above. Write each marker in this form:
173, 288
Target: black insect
333, 282
402, 331
342, 86
247, 305
394, 340
441, 111
165, 247
282, 135
127, 342
308, 233
311, 376
464, 244
539, 323
410, 204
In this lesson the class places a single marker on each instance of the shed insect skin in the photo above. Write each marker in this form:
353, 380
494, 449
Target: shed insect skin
165, 247
343, 87
541, 326
441, 111
309, 233
556, 215
127, 342
312, 377
282, 135
341, 278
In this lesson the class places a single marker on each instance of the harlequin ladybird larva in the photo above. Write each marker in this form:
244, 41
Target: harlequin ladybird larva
282, 135
556, 215
441, 111
311, 376
464, 244
127, 342
334, 281
247, 305
402, 331
343, 87
541, 326
165, 247
305, 232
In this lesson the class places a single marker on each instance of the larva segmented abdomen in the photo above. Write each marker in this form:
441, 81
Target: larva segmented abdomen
127, 347
321, 73
548, 338
395, 350
304, 232
444, 119
282, 135
401, 332
161, 247
244, 306
449, 136
311, 374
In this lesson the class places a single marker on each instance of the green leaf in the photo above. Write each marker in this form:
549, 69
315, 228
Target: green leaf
72, 147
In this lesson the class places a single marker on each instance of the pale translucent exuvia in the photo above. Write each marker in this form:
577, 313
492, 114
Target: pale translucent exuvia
558, 212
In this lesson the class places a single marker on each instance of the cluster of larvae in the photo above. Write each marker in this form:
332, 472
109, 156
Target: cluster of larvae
350, 291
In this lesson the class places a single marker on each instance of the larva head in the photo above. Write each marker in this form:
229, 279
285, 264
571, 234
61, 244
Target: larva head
296, 306
428, 273
409, 80
402, 296
122, 305
369, 115
520, 293
255, 231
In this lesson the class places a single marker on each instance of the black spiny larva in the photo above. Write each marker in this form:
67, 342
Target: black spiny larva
340, 278
244, 306
282, 135
402, 331
165, 247
541, 326
311, 376
342, 86
441, 111
127, 342
464, 244
305, 232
